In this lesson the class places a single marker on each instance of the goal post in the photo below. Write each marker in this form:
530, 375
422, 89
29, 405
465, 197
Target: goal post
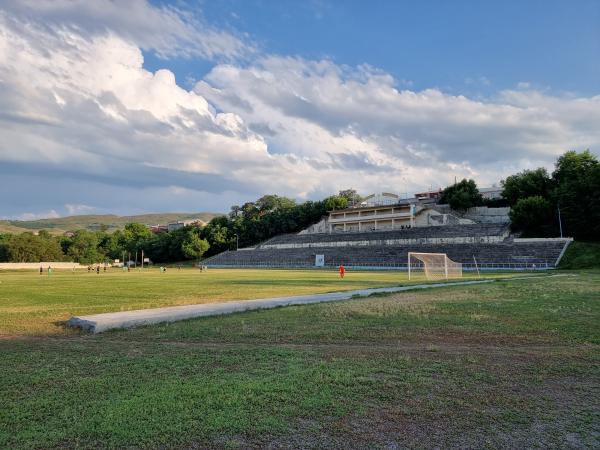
434, 266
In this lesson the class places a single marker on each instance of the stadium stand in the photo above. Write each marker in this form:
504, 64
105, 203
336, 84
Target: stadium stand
490, 244
478, 232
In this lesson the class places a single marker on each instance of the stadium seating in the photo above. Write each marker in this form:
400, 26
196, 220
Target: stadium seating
378, 249
454, 231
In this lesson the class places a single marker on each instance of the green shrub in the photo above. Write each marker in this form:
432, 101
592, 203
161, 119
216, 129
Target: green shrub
581, 255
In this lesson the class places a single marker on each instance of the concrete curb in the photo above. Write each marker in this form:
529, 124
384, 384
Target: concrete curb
99, 323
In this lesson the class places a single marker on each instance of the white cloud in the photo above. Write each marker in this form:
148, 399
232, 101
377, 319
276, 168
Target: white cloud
86, 105
355, 124
51, 214
79, 111
167, 30
78, 209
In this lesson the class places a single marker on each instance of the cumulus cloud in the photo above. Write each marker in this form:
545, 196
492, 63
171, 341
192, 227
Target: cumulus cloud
357, 120
84, 123
85, 107
166, 30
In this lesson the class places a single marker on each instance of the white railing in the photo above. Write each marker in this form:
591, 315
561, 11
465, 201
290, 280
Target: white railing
355, 218
381, 266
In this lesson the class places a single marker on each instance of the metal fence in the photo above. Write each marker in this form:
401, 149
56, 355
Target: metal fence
384, 266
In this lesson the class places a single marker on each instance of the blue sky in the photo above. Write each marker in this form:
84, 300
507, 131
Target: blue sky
465, 47
135, 106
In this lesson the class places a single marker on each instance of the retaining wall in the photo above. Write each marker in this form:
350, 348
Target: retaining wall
36, 266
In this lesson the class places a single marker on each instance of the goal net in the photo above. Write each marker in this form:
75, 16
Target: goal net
432, 266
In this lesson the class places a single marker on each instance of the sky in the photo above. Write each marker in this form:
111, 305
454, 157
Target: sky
133, 106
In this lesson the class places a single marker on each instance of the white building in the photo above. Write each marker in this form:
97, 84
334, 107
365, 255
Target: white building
172, 226
491, 193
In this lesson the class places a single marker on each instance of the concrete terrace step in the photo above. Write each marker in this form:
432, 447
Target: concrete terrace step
99, 323
540, 253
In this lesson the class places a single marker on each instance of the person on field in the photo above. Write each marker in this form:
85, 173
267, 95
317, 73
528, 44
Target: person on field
342, 271
98, 270
41, 270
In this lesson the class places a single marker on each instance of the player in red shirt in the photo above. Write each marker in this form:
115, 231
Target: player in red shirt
342, 271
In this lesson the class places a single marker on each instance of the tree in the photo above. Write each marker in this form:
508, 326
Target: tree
272, 203
27, 247
235, 211
333, 202
577, 179
194, 247
462, 195
533, 216
135, 236
217, 234
4, 255
528, 183
83, 247
351, 196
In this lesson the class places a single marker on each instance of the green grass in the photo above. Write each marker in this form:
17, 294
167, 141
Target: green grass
37, 304
510, 364
581, 255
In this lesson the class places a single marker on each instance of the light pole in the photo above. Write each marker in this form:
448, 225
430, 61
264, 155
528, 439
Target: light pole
559, 220
237, 242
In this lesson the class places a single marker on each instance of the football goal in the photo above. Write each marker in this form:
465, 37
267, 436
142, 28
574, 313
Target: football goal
434, 266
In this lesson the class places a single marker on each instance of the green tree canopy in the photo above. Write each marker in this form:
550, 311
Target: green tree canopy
577, 194
528, 183
194, 247
462, 195
27, 247
352, 197
534, 217
84, 247
135, 237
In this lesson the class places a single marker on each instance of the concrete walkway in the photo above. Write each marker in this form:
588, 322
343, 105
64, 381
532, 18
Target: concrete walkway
98, 323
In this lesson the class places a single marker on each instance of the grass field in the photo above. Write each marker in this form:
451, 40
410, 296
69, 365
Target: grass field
37, 304
511, 364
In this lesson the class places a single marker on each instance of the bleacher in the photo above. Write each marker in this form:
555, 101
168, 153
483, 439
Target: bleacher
489, 244
440, 232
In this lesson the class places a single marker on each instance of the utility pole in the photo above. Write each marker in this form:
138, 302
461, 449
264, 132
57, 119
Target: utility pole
559, 220
142, 258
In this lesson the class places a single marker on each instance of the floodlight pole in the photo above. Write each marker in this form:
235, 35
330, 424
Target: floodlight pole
237, 242
408, 266
559, 220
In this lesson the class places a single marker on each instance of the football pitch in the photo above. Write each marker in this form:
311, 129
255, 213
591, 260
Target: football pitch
31, 303
514, 363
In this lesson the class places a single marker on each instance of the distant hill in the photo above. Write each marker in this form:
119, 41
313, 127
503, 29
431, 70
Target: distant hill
95, 222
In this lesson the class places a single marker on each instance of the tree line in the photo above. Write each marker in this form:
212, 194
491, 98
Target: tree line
91, 247
542, 203
245, 225
536, 199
